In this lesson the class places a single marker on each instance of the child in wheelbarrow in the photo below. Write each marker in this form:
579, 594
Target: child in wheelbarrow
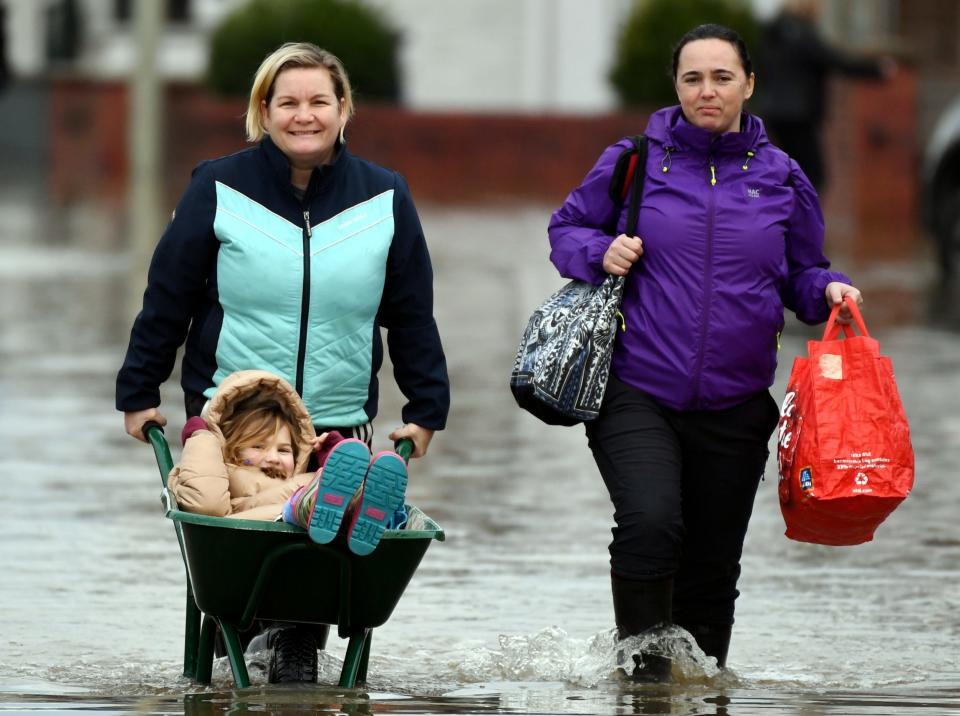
248, 457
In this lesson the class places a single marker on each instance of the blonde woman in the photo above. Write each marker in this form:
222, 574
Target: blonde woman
289, 257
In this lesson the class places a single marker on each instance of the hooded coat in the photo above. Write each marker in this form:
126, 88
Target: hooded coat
732, 234
203, 482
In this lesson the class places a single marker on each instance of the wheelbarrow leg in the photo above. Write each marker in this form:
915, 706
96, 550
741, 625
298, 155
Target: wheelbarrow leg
208, 632
231, 640
364, 658
191, 636
351, 660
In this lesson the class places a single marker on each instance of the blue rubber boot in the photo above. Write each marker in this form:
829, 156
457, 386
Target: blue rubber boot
383, 492
342, 474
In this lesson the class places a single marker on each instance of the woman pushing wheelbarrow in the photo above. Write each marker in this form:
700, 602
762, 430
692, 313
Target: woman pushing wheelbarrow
289, 257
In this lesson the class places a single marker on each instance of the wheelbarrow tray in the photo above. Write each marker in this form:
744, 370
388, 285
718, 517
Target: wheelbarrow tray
242, 570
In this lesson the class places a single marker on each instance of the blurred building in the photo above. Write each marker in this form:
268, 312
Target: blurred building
477, 55
516, 90
95, 38
527, 55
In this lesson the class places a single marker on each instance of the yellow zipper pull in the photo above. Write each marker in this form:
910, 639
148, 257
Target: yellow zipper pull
713, 175
746, 163
623, 322
779, 333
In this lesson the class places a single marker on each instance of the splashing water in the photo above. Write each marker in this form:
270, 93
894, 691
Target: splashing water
92, 585
690, 664
552, 655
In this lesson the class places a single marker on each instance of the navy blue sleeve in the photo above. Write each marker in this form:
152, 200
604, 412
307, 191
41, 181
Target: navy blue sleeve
176, 281
406, 311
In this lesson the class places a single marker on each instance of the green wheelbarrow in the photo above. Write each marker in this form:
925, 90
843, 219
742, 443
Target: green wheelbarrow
243, 571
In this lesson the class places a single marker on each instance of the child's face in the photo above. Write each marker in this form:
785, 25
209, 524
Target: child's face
274, 452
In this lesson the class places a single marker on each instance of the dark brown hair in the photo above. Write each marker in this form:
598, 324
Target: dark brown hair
714, 32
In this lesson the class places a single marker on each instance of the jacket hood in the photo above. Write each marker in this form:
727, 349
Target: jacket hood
242, 384
670, 128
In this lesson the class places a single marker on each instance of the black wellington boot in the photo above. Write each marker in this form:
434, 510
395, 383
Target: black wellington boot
714, 640
637, 607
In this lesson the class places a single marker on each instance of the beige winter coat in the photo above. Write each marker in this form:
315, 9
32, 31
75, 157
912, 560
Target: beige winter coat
202, 482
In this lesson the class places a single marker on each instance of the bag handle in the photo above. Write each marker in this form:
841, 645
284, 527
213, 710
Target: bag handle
832, 330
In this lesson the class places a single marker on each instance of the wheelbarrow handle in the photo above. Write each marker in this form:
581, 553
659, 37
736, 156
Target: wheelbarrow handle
404, 448
153, 432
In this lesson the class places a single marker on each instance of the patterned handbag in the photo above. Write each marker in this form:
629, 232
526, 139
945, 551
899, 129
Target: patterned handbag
563, 361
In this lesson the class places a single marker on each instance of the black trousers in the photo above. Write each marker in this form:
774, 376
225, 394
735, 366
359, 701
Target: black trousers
682, 486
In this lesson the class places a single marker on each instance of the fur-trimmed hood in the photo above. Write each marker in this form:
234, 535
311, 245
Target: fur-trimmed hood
245, 383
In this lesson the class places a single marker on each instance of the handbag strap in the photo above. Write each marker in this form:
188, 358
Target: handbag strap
636, 183
832, 330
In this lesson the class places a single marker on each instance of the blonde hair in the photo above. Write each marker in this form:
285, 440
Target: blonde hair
252, 420
293, 54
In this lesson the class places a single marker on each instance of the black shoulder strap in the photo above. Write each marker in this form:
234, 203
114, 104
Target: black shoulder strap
627, 180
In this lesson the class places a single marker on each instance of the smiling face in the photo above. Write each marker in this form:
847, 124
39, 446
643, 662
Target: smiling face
304, 116
270, 452
712, 85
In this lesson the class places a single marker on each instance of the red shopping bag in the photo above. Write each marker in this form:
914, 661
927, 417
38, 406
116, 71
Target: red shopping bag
843, 441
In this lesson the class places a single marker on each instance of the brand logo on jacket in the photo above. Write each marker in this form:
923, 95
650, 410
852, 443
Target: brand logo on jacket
348, 222
753, 193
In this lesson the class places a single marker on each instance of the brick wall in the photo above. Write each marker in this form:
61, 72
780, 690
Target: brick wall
87, 153
445, 157
871, 204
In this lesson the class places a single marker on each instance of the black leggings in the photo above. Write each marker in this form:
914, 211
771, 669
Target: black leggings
682, 486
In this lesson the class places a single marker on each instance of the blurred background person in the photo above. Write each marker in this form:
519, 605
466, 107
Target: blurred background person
793, 65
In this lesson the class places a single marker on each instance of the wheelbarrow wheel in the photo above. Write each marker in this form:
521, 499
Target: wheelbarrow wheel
294, 656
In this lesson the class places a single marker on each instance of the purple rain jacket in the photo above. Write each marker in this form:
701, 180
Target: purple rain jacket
732, 233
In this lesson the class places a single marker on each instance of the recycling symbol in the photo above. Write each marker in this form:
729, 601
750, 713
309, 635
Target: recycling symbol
861, 479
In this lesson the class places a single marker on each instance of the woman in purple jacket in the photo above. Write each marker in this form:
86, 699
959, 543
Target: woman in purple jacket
730, 233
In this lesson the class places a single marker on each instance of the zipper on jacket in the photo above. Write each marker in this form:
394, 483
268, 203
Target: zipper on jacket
304, 302
707, 284
667, 160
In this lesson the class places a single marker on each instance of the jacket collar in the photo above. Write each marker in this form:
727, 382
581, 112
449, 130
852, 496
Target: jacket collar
322, 175
669, 127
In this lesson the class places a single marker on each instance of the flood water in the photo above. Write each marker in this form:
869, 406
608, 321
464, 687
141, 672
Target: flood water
512, 613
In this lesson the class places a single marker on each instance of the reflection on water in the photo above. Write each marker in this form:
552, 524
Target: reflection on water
512, 614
